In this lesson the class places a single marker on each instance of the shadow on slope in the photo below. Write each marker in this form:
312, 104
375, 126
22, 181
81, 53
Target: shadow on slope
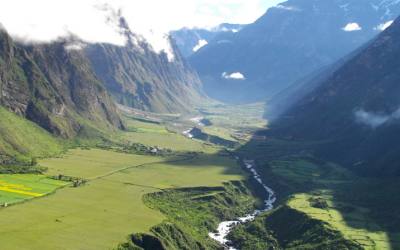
363, 208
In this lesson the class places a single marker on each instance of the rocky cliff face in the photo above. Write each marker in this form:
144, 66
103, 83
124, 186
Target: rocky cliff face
137, 76
53, 86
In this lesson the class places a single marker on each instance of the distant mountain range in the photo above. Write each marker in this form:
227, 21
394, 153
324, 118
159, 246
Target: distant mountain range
190, 40
353, 114
288, 43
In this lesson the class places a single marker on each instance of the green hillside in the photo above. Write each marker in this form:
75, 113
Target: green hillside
22, 140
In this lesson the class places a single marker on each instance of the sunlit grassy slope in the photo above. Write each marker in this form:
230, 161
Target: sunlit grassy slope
23, 139
339, 191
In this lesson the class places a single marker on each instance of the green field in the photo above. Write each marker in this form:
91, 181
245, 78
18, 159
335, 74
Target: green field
250, 116
366, 233
100, 214
151, 134
16, 188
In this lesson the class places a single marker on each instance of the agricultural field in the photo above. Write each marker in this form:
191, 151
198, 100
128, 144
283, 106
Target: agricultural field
104, 211
17, 188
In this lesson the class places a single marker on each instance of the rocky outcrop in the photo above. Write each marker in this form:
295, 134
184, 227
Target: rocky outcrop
137, 76
54, 87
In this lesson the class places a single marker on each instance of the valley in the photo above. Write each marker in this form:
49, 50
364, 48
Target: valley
200, 125
113, 181
139, 180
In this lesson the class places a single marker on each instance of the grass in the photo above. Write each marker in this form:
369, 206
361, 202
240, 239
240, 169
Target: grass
336, 187
223, 133
142, 126
103, 212
151, 134
360, 208
198, 211
275, 231
91, 163
17, 188
236, 116
23, 140
100, 214
367, 233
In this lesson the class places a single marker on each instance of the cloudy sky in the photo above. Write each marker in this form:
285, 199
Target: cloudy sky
43, 20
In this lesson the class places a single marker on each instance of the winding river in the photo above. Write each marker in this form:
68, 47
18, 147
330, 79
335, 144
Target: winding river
225, 227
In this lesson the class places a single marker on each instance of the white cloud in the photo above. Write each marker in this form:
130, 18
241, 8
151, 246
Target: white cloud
384, 26
352, 27
47, 20
233, 76
95, 20
200, 45
375, 120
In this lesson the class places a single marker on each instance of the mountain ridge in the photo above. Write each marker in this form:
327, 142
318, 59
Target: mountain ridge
286, 44
355, 109
138, 77
53, 87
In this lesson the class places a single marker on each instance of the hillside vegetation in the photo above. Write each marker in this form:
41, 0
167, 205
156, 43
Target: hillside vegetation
21, 141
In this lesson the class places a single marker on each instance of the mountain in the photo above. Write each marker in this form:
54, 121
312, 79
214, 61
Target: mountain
138, 76
288, 97
353, 115
190, 40
288, 43
55, 87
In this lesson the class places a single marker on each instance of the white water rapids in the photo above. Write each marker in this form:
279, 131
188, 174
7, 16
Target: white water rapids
225, 227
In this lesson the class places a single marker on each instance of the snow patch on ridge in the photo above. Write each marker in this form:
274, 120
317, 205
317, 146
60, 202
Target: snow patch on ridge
200, 45
286, 7
383, 26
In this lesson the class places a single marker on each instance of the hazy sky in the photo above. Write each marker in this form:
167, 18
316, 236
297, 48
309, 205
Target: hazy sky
94, 20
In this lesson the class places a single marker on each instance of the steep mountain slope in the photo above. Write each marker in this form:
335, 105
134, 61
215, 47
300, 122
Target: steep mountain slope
139, 77
21, 141
354, 114
191, 40
54, 87
288, 43
288, 97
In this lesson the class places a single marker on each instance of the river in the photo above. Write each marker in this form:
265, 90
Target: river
225, 227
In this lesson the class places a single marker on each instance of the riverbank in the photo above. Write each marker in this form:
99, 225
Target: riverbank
226, 227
